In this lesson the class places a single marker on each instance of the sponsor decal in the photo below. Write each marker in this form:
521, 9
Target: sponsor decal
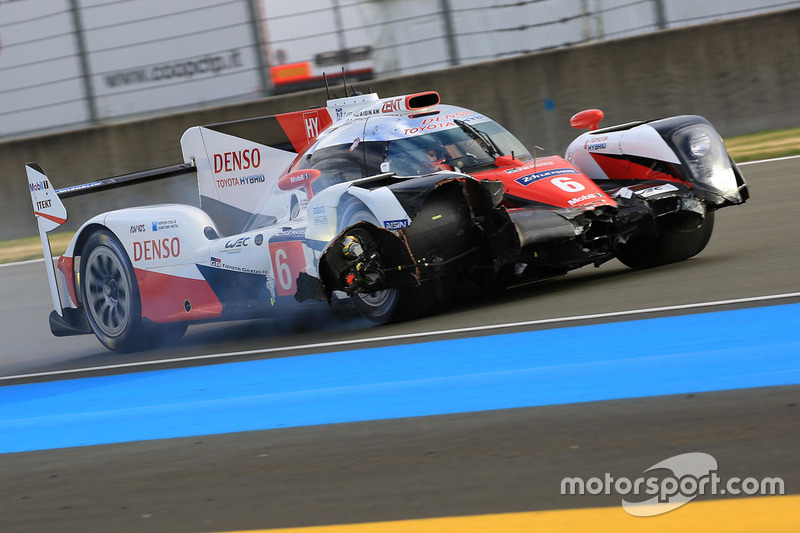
395, 224
391, 106
161, 225
238, 160
367, 113
585, 197
536, 176
448, 118
235, 246
319, 210
156, 249
658, 189
43, 204
238, 182
217, 263
289, 235
339, 113
595, 143
39, 186
141, 228
428, 127
244, 269
624, 192
80, 187
320, 220
530, 166
441, 122
311, 121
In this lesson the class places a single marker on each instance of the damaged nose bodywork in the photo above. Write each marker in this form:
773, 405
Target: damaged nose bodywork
457, 228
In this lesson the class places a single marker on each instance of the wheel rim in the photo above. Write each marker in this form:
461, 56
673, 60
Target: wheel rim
376, 299
376, 306
108, 297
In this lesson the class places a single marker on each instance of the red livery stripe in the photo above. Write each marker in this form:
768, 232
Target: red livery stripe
57, 220
163, 298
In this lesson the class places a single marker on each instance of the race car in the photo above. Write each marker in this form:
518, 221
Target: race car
394, 204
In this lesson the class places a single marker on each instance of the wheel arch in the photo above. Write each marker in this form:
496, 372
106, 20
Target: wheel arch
74, 253
113, 312
381, 202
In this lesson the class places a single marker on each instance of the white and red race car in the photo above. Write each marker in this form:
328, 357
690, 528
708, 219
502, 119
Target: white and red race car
395, 203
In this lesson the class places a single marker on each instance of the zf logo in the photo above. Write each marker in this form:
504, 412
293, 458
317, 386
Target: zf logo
392, 105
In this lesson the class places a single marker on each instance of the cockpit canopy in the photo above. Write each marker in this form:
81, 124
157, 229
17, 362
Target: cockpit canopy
444, 138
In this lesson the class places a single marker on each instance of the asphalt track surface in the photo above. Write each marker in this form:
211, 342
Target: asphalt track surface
498, 461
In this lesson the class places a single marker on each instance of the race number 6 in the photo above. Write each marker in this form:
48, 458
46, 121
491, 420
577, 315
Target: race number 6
567, 184
288, 261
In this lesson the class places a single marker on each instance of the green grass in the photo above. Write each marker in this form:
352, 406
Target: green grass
31, 247
764, 145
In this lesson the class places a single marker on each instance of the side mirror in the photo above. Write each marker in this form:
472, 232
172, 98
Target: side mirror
587, 119
299, 179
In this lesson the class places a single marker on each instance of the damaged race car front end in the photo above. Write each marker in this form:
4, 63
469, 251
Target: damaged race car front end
668, 177
458, 231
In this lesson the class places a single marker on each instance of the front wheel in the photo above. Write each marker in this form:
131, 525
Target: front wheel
397, 303
671, 246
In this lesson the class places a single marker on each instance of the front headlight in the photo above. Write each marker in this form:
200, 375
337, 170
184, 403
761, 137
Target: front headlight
699, 144
701, 149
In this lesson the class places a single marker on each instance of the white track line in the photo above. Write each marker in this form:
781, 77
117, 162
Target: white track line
406, 336
788, 157
18, 263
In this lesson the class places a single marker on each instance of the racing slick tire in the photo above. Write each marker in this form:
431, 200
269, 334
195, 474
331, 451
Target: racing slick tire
671, 246
111, 298
395, 304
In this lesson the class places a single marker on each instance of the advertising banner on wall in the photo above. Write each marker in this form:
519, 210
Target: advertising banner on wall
71, 62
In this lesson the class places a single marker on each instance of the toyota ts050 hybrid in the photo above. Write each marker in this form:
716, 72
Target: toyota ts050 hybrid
395, 203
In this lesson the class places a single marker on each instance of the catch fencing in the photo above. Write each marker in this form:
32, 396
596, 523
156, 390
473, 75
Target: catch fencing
72, 63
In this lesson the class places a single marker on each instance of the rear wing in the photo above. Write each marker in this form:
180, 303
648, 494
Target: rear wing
126, 179
50, 211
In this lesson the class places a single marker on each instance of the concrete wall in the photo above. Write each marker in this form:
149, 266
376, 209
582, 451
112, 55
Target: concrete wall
743, 75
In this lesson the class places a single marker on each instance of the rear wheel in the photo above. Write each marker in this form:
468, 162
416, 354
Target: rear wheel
111, 298
671, 246
110, 293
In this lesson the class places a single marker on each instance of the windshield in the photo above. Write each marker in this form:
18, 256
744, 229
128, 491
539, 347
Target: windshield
471, 147
354, 151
